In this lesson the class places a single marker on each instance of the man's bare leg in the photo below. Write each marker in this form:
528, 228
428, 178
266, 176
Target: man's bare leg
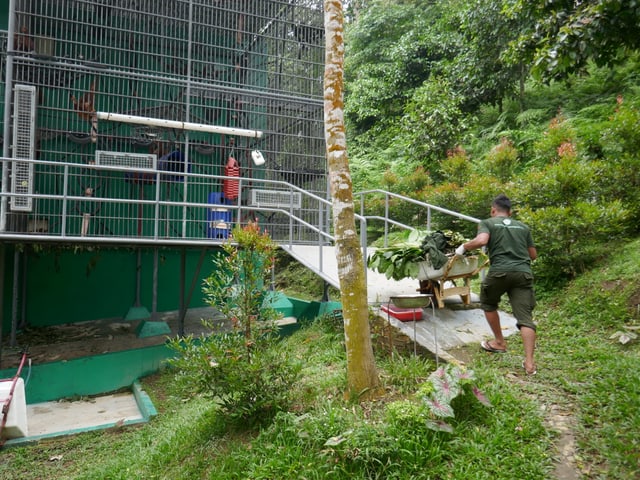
529, 344
493, 319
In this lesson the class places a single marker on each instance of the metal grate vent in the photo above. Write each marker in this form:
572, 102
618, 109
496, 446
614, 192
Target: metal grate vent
24, 140
276, 199
133, 161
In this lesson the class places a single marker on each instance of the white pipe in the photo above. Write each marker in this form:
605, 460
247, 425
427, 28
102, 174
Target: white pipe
159, 122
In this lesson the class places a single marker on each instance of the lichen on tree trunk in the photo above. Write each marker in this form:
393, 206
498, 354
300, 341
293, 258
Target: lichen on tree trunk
362, 374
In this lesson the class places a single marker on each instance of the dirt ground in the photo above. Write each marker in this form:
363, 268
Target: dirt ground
69, 341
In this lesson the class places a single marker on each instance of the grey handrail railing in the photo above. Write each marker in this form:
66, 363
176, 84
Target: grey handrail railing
389, 221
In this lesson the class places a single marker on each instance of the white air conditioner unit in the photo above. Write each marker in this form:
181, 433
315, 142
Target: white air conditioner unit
24, 146
276, 199
130, 161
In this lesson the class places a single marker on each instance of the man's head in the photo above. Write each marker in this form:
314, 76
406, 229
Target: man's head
501, 205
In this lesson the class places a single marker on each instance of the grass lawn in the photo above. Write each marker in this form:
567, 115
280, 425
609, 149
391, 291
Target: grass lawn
585, 399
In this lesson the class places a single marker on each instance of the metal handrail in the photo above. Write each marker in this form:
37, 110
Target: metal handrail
388, 221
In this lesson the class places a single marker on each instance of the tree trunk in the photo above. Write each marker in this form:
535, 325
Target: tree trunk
362, 375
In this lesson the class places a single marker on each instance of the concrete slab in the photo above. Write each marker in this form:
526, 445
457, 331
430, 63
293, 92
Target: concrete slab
50, 418
444, 330
67, 417
440, 331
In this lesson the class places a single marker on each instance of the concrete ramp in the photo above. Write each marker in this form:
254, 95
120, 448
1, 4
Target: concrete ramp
439, 331
323, 262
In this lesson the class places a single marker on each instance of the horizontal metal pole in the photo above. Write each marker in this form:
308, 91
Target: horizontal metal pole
159, 122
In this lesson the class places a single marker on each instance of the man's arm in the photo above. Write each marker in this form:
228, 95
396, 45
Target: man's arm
480, 241
533, 253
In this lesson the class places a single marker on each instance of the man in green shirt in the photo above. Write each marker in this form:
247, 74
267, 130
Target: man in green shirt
511, 250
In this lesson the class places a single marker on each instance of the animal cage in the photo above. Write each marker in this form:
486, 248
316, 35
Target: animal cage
250, 65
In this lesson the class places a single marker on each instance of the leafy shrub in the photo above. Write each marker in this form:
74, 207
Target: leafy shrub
251, 382
442, 387
456, 168
473, 199
571, 237
623, 137
432, 122
502, 160
545, 150
246, 371
561, 183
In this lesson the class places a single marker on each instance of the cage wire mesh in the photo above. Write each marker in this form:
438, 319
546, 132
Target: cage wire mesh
247, 64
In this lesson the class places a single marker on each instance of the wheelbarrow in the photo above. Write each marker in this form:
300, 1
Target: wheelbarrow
442, 282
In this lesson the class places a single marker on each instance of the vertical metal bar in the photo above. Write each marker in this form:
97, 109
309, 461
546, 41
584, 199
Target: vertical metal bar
386, 219
14, 307
138, 278
183, 307
363, 242
7, 115
156, 220
154, 293
65, 194
2, 271
23, 293
185, 186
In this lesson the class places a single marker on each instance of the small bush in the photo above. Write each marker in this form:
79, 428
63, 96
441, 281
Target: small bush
545, 150
251, 383
456, 167
502, 160
246, 370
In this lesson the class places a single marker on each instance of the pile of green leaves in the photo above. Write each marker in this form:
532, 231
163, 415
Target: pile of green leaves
401, 259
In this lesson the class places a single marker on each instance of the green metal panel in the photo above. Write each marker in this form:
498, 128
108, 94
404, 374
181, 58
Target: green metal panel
90, 375
67, 287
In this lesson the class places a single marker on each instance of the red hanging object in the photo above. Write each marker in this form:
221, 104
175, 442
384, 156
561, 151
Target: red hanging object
231, 188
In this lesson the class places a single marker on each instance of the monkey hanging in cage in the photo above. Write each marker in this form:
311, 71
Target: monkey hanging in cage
85, 107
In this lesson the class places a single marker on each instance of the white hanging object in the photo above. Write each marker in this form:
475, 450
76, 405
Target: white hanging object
257, 158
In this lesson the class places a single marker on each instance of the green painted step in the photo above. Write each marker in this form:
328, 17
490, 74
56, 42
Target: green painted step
279, 302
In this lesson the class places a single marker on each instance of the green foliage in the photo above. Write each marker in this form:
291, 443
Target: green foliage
456, 168
441, 388
549, 147
432, 123
401, 260
502, 160
238, 285
572, 237
244, 371
622, 138
250, 382
473, 199
560, 38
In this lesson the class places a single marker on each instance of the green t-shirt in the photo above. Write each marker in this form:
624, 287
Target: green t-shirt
509, 242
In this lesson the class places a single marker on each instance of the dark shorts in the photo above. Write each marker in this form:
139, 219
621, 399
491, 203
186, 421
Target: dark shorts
519, 288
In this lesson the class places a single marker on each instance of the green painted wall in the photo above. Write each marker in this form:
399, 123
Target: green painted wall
66, 287
90, 375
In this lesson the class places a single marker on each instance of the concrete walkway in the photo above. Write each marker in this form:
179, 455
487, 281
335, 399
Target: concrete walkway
440, 330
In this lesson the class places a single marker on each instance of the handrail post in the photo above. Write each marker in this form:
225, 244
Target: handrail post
363, 244
65, 194
386, 219
156, 220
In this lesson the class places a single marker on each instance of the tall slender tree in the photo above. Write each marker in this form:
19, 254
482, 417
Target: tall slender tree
362, 374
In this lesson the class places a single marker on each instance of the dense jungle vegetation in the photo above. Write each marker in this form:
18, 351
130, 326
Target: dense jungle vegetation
453, 102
